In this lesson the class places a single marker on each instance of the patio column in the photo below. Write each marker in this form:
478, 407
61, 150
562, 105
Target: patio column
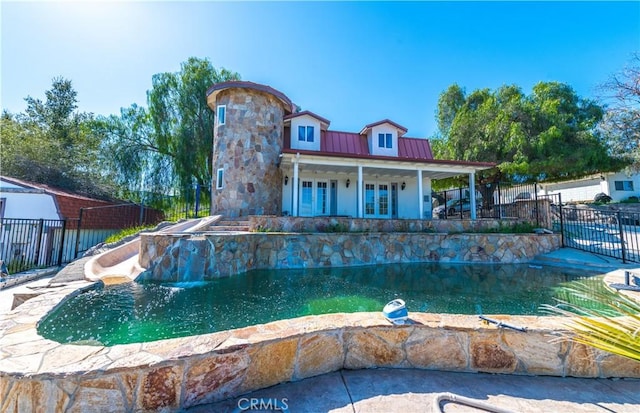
472, 194
420, 196
360, 198
295, 188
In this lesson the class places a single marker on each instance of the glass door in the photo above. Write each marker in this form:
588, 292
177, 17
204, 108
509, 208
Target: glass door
383, 200
369, 200
306, 198
321, 198
333, 197
394, 200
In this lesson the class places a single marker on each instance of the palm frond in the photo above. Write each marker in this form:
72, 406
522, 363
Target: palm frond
599, 317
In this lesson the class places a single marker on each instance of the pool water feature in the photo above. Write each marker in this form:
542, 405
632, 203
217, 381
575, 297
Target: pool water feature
147, 311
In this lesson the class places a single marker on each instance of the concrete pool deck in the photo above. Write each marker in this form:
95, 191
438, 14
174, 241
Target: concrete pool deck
373, 390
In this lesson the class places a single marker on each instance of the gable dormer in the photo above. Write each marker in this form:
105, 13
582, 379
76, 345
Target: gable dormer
382, 137
305, 130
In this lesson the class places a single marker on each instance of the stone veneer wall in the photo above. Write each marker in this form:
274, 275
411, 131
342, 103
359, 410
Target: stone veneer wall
349, 224
248, 146
41, 375
188, 257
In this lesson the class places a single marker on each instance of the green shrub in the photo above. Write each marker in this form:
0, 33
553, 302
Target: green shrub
127, 232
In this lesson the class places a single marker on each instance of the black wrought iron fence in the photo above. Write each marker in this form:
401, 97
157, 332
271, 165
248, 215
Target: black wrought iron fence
192, 202
493, 200
610, 233
26, 244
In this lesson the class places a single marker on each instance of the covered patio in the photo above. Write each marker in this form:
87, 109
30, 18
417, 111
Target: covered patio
366, 187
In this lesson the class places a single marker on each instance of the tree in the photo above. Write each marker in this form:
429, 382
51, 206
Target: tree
182, 121
549, 135
621, 123
52, 143
169, 145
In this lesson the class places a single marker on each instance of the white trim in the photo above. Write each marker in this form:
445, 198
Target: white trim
220, 178
224, 116
360, 193
295, 189
420, 195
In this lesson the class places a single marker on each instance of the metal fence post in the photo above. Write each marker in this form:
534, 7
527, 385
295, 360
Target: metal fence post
75, 253
561, 220
621, 229
64, 230
197, 201
535, 191
39, 241
499, 202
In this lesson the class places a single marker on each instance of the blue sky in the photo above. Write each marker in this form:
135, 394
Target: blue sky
352, 63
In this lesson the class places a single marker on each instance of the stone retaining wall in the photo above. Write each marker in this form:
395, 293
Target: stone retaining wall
41, 375
274, 223
185, 257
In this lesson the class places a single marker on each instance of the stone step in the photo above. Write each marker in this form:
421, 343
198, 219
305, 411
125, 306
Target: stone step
230, 228
229, 223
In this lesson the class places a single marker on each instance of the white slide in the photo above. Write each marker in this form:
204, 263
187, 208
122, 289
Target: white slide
121, 264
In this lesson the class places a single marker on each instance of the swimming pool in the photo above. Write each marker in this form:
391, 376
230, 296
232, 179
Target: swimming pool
148, 311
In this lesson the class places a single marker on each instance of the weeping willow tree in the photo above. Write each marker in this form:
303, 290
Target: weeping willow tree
167, 146
599, 317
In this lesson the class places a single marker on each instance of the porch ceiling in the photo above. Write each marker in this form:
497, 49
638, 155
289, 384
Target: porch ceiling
379, 168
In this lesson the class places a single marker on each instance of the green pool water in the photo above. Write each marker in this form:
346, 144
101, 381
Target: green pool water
147, 311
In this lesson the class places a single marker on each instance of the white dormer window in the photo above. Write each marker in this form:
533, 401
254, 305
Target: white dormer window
385, 140
222, 114
305, 133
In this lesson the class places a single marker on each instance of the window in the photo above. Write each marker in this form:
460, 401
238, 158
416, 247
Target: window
222, 114
3, 202
385, 140
624, 185
305, 133
219, 177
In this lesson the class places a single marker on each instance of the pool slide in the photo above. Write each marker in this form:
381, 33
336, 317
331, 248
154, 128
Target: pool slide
120, 264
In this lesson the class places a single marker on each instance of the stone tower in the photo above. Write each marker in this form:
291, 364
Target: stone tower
248, 138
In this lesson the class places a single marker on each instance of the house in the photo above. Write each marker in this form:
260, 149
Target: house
36, 219
269, 159
618, 185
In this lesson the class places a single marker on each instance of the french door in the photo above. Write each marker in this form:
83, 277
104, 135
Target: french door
377, 200
314, 198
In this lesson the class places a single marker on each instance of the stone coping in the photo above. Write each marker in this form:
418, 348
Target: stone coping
184, 372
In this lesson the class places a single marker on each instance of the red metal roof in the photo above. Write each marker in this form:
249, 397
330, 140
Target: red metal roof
306, 112
390, 122
413, 148
344, 143
289, 107
349, 144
